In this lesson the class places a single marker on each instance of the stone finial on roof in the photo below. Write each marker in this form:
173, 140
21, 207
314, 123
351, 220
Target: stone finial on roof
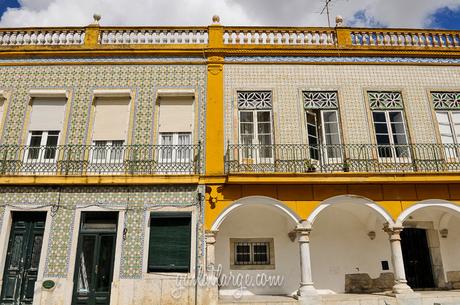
96, 18
215, 19
339, 21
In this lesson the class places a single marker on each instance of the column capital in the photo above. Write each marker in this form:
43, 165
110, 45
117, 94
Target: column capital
303, 230
393, 231
210, 236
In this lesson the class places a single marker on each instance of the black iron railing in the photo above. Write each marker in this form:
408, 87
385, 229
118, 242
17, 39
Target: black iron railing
300, 158
99, 160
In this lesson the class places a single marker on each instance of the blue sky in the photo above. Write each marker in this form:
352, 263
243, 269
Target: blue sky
4, 4
446, 19
442, 14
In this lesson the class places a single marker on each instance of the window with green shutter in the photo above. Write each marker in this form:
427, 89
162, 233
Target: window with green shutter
170, 242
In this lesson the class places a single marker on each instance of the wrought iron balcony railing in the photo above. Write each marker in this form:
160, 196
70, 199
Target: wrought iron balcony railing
300, 158
100, 160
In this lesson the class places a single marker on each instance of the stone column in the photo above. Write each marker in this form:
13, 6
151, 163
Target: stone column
397, 259
209, 292
210, 252
306, 288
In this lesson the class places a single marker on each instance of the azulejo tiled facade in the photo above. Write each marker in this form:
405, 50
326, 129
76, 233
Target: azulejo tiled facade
81, 80
314, 151
64, 201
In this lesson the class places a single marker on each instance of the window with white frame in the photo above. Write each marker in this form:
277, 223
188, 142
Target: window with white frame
255, 124
107, 151
252, 253
175, 146
447, 107
176, 118
322, 120
110, 129
45, 126
389, 124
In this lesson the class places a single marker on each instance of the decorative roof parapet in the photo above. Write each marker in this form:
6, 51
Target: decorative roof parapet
236, 41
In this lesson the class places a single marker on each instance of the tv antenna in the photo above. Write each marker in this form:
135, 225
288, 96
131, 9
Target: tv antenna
326, 8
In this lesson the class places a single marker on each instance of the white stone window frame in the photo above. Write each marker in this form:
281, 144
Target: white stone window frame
193, 241
46, 93
4, 98
175, 92
235, 266
42, 148
447, 103
110, 149
394, 103
317, 103
256, 101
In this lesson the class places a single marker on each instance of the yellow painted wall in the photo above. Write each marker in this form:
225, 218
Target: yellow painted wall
303, 199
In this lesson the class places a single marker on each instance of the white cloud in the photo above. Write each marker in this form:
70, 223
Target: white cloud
393, 13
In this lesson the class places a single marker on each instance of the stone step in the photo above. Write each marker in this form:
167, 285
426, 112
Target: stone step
257, 300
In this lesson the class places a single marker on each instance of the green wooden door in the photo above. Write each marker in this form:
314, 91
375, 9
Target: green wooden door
23, 258
94, 267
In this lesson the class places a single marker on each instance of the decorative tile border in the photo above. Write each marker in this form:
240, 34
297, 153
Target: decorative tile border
103, 59
326, 59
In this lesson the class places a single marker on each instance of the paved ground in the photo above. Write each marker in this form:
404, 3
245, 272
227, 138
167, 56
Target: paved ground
427, 298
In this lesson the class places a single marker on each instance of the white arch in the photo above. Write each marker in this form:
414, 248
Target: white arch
255, 200
355, 199
437, 203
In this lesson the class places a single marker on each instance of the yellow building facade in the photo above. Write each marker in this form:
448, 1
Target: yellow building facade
296, 162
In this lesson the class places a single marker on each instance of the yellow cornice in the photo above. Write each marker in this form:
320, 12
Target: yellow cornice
342, 178
99, 180
243, 179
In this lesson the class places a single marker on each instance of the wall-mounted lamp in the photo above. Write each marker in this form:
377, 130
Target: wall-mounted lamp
292, 235
444, 233
371, 235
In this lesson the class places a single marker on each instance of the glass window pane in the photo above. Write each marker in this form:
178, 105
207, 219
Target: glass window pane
379, 116
399, 139
329, 116
247, 140
332, 139
265, 140
35, 139
184, 139
263, 116
443, 117
86, 264
167, 139
104, 272
383, 139
396, 116
264, 128
311, 118
381, 128
261, 253
246, 117
312, 131
445, 130
447, 140
331, 128
456, 117
247, 128
398, 128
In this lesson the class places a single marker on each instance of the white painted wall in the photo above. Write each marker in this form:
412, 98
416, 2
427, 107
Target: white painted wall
340, 245
257, 221
450, 246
